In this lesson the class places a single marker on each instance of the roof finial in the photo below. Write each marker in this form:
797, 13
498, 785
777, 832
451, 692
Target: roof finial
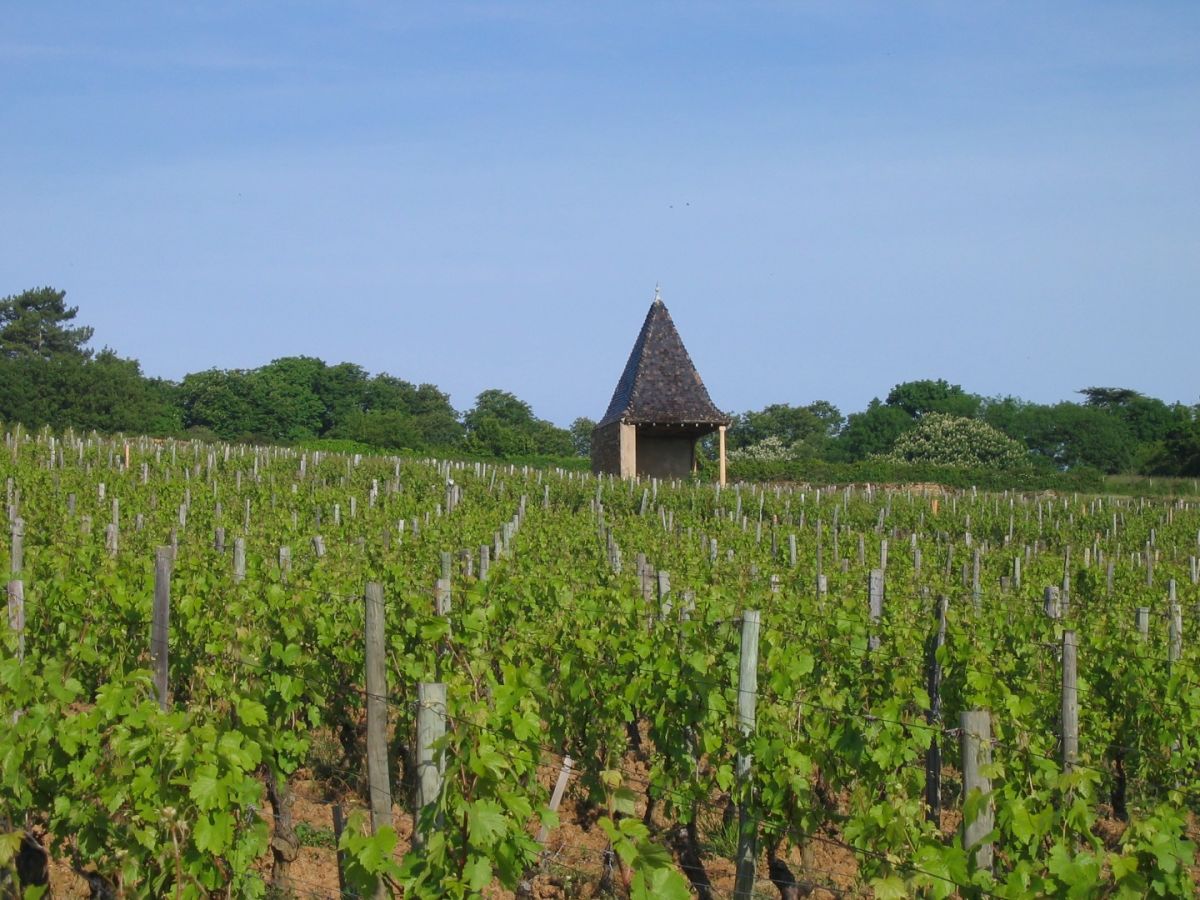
657, 295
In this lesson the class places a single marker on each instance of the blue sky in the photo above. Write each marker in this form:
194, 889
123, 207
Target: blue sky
835, 197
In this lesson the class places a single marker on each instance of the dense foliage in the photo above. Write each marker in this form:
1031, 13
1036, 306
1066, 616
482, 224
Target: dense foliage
571, 646
941, 439
48, 376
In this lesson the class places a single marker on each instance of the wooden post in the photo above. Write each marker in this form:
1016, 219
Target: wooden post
485, 554
976, 730
976, 587
160, 625
1142, 620
17, 554
376, 677
1174, 629
219, 540
441, 597
747, 851
239, 559
792, 549
819, 559
1070, 703
875, 604
431, 725
721, 453
339, 824
933, 684
664, 595
1050, 602
560, 789
16, 613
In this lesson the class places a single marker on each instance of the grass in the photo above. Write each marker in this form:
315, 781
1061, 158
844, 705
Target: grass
1151, 486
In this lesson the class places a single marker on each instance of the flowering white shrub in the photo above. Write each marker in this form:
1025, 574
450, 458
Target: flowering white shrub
945, 440
769, 449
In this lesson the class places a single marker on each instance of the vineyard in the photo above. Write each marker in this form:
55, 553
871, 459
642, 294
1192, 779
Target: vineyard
240, 671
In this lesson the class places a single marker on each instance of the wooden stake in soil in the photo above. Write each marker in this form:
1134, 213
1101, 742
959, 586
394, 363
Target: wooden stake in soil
560, 789
747, 851
376, 658
16, 614
17, 553
1142, 620
161, 623
1070, 703
933, 684
431, 726
339, 823
875, 604
976, 730
239, 559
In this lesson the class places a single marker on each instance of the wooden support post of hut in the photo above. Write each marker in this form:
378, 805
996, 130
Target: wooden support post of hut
659, 409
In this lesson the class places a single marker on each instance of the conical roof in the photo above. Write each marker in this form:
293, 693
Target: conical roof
660, 385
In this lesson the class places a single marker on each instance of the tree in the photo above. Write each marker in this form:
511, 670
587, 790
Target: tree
502, 425
1070, 435
502, 406
581, 435
35, 323
284, 405
391, 428
342, 392
1182, 446
874, 430
945, 440
429, 414
803, 430
829, 415
918, 398
1148, 418
106, 393
218, 400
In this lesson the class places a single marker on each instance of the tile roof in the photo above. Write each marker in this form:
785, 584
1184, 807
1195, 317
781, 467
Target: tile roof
660, 384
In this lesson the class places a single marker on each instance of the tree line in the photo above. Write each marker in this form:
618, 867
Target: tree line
49, 376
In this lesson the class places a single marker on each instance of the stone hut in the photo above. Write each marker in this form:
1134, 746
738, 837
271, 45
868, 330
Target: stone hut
659, 409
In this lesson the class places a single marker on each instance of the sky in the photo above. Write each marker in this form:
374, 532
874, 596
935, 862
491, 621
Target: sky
835, 197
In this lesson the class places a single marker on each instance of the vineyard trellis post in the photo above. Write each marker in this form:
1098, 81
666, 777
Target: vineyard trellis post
556, 798
875, 605
16, 614
1174, 627
376, 678
747, 850
975, 728
431, 726
17, 553
1070, 702
933, 757
160, 625
1050, 600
